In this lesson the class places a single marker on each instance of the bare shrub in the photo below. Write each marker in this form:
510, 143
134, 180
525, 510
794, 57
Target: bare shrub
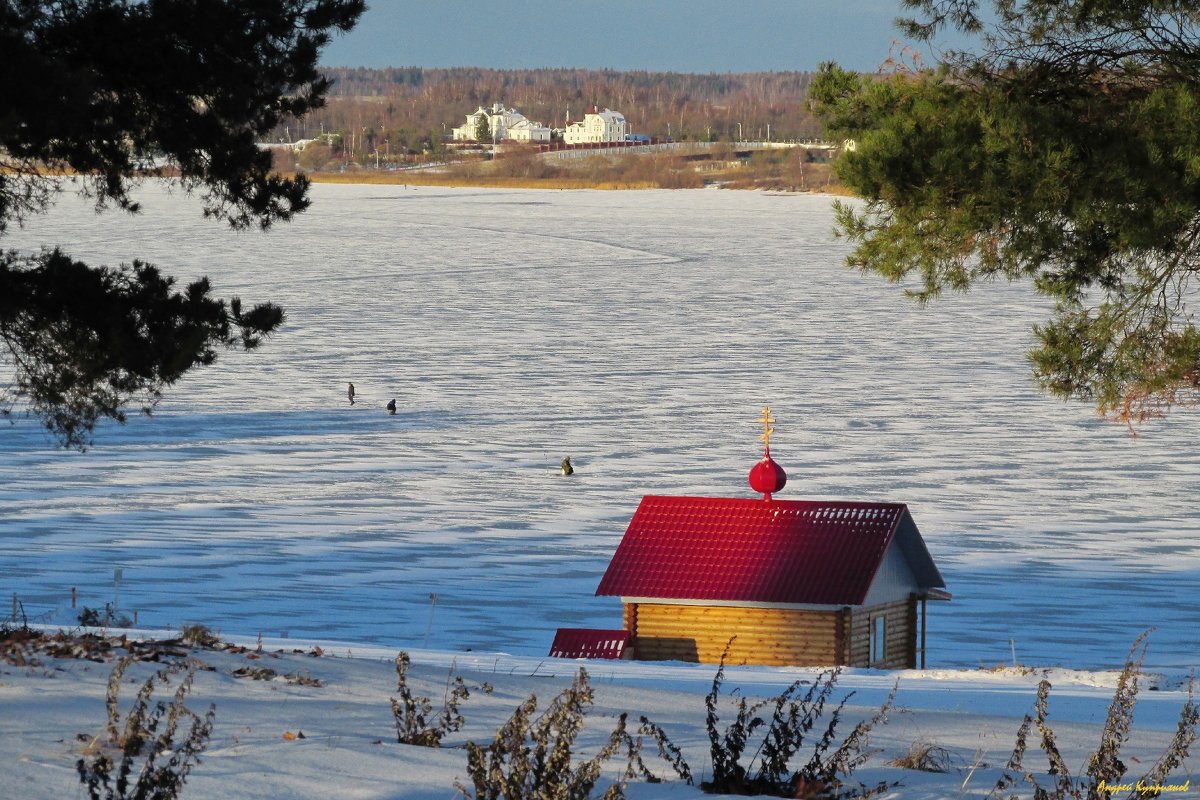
199, 636
141, 758
665, 172
1105, 769
525, 163
794, 714
108, 618
416, 721
532, 759
666, 751
317, 155
923, 757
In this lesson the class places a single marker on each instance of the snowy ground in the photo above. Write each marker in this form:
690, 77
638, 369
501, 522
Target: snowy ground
640, 333
344, 743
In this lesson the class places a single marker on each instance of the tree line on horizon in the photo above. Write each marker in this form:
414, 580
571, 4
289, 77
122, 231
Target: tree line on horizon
400, 113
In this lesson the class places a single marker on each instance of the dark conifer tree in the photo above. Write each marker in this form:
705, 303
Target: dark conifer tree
102, 91
1064, 149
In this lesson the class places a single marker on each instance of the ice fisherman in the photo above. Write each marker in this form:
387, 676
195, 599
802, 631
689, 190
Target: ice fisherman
350, 393
391, 406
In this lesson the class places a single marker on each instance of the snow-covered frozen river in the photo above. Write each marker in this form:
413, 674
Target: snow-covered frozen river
640, 333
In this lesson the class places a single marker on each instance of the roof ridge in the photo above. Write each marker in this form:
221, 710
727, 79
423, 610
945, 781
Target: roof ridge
748, 549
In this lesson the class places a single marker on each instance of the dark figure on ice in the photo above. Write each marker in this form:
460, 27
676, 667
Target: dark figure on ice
350, 393
391, 406
567, 469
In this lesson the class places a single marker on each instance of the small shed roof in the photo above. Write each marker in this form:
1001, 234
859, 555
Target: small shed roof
748, 550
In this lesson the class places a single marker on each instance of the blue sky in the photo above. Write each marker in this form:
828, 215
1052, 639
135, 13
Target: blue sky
656, 35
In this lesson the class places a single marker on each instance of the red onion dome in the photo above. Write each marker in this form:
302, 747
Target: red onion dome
767, 477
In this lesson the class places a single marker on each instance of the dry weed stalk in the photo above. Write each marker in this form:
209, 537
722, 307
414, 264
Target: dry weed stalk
416, 722
794, 715
1103, 774
532, 758
153, 764
923, 757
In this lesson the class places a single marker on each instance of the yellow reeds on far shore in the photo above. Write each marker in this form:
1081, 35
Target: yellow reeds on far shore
421, 178
627, 172
778, 172
427, 178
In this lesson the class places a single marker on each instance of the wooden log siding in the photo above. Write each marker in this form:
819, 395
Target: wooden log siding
900, 639
771, 636
776, 637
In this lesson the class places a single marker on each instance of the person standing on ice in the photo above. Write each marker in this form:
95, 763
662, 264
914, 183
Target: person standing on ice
391, 406
350, 393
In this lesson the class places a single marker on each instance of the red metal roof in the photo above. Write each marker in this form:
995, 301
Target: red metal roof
750, 550
589, 643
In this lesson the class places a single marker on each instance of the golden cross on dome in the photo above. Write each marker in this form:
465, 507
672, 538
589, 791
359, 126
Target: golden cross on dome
767, 421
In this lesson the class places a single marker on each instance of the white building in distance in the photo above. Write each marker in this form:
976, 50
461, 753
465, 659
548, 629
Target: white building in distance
524, 130
504, 123
597, 126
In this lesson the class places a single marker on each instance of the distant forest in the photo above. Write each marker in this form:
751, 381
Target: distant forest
404, 113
